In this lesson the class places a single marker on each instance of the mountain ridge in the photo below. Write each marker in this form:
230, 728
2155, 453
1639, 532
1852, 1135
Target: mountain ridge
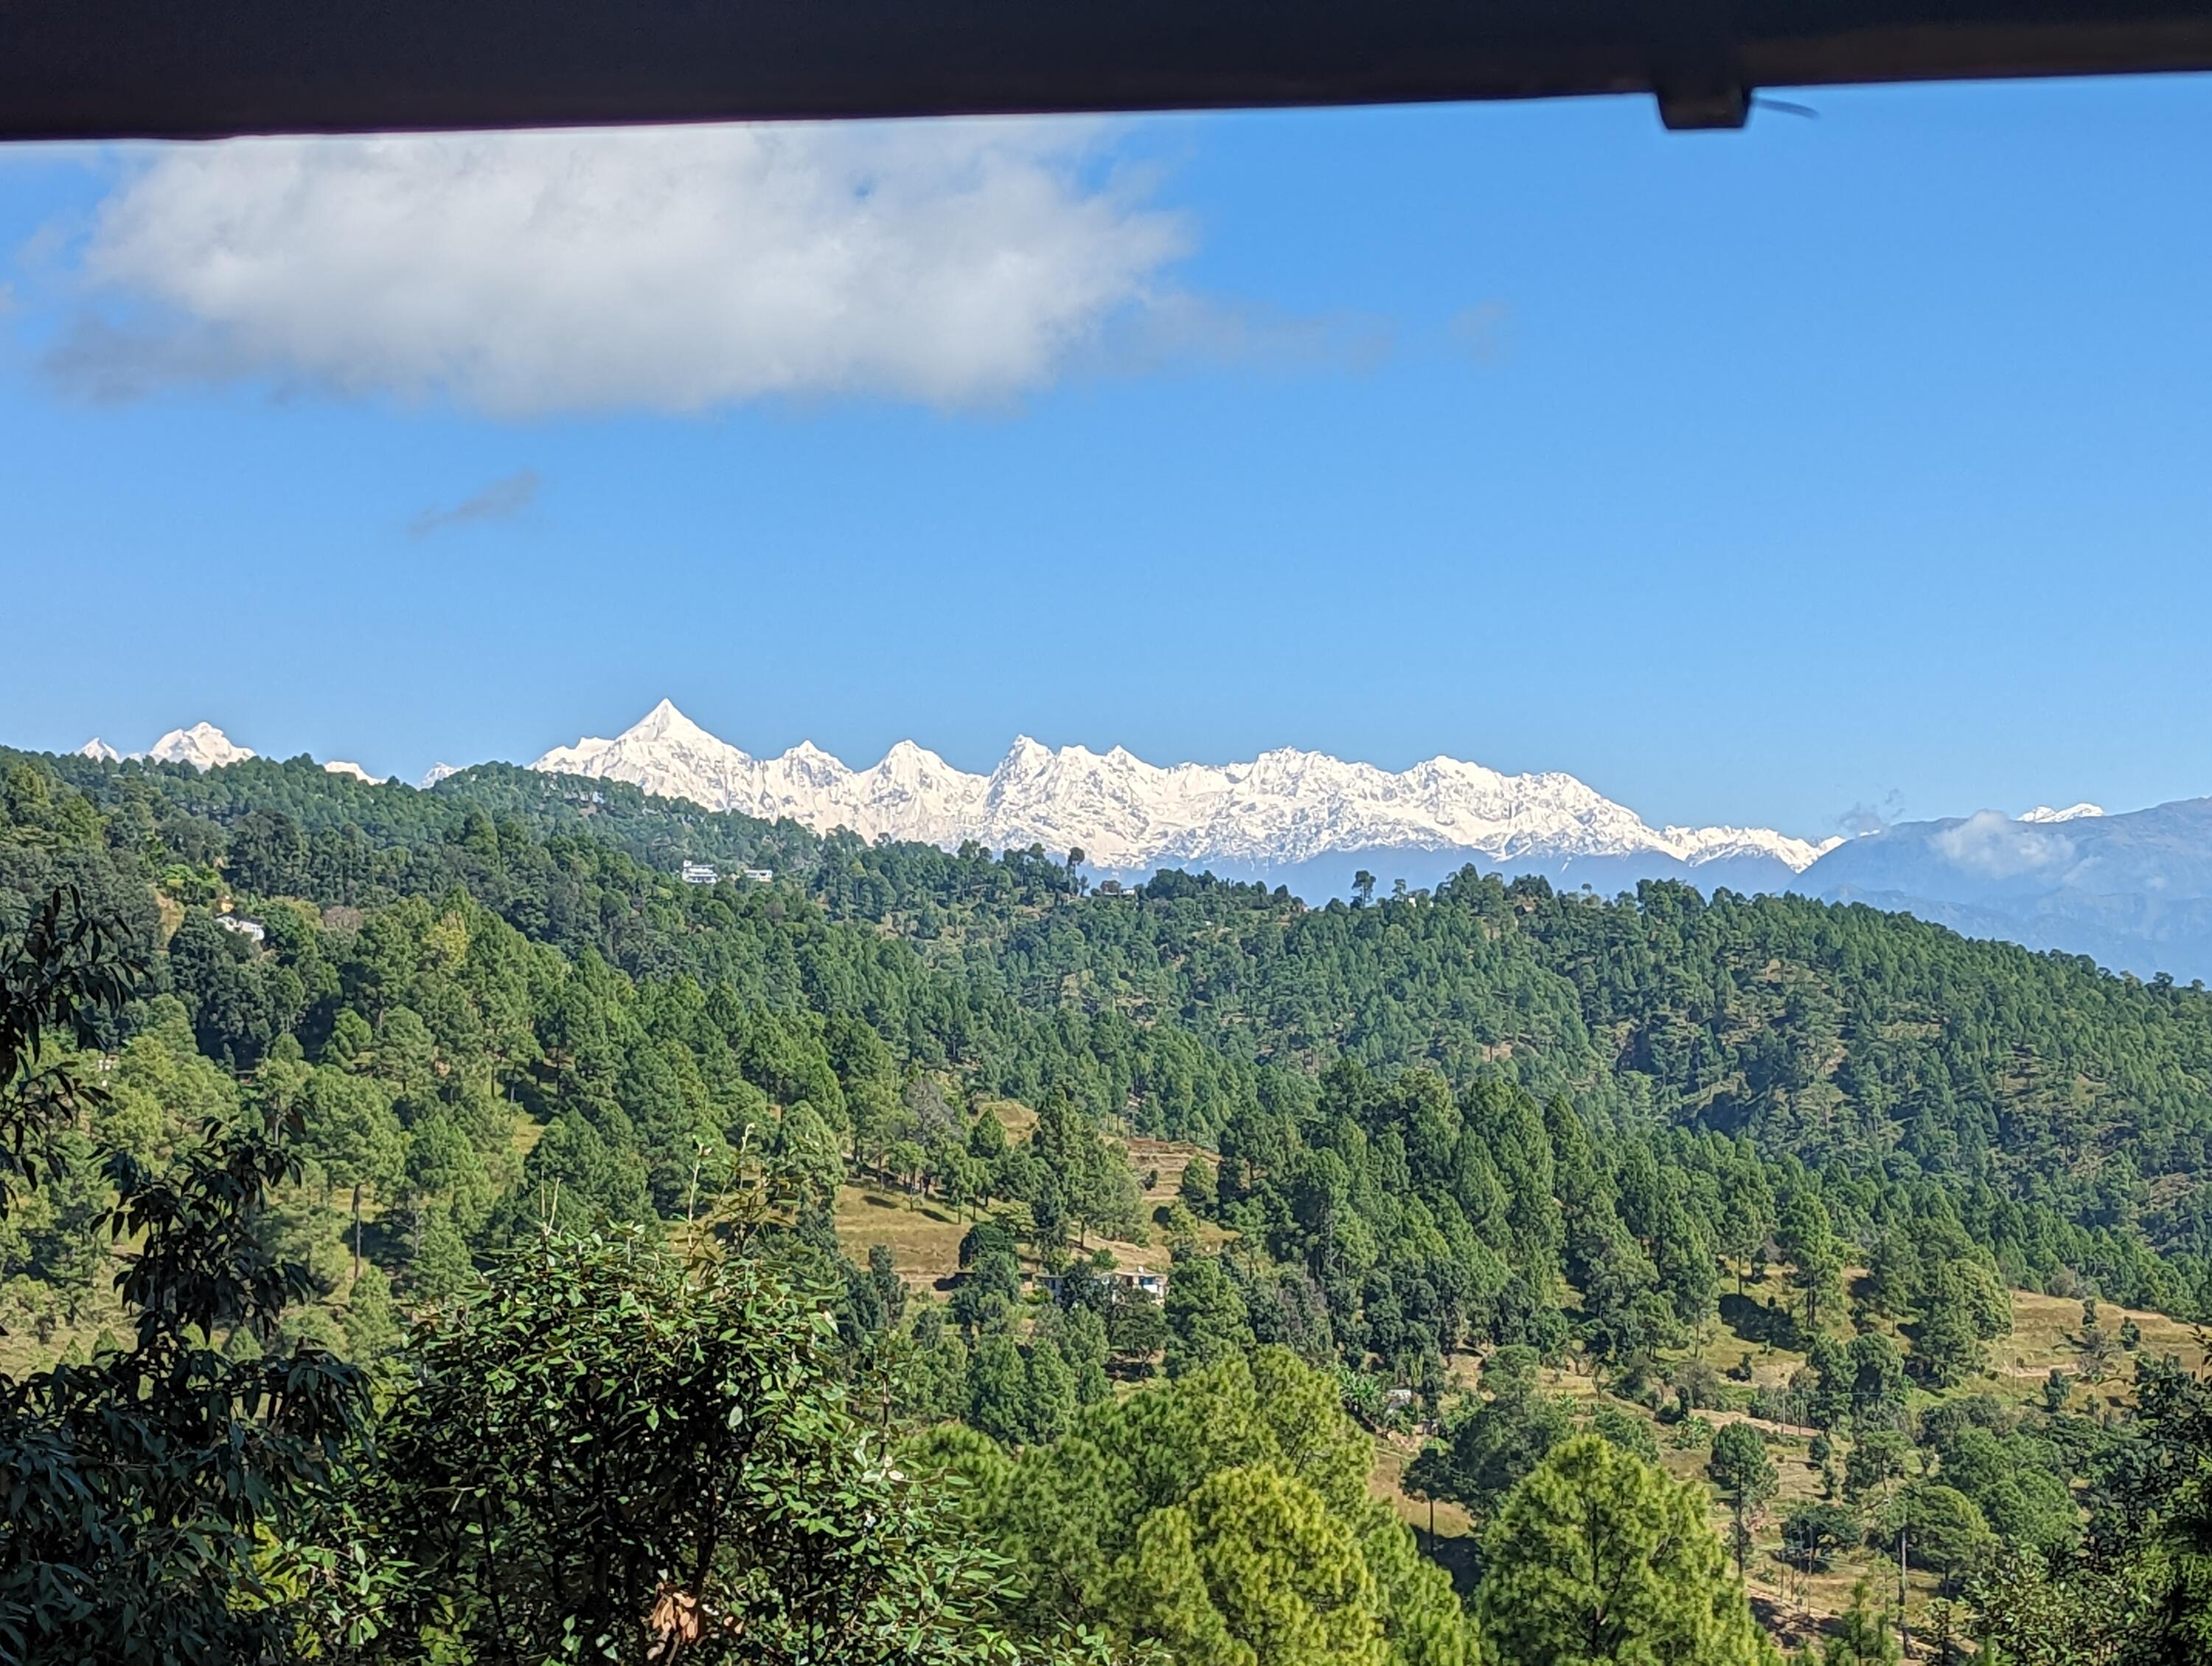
1284, 809
2132, 889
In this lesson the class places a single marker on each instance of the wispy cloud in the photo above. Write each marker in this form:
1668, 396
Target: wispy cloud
1871, 818
1990, 843
950, 263
496, 502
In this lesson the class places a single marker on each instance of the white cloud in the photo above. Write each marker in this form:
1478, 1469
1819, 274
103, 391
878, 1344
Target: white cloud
1992, 844
670, 269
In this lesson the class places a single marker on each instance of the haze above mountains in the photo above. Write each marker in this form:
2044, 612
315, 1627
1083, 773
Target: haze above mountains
2133, 891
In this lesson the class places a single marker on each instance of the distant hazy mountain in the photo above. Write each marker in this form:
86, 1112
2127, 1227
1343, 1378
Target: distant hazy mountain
1302, 818
2133, 891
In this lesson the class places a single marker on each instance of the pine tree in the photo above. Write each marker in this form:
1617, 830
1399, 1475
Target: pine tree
1598, 1559
1865, 1634
1252, 1567
1206, 1316
1808, 1243
1740, 1468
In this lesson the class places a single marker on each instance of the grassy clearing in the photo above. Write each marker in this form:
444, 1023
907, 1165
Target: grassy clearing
1792, 1603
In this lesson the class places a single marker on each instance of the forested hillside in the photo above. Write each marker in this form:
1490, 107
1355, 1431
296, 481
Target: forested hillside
1551, 1132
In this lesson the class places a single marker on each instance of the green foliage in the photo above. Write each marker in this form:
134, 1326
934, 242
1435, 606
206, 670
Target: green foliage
1251, 1566
1944, 1528
1491, 1118
1864, 1636
1738, 1464
1491, 1443
1812, 1533
608, 1452
2139, 1589
154, 1490
1597, 1557
57, 982
1206, 1318
1630, 1434
1225, 1515
2115, 1611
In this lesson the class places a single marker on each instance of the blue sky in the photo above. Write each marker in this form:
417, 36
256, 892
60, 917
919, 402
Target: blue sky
1862, 461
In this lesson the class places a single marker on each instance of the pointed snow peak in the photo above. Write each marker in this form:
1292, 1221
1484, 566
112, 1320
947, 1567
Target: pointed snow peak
97, 748
907, 756
665, 722
437, 773
204, 746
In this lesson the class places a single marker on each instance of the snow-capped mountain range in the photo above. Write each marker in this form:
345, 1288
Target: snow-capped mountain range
204, 746
2133, 889
1283, 809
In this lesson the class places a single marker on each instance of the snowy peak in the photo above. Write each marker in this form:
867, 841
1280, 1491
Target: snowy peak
340, 767
1282, 808
97, 748
1705, 844
665, 723
204, 746
2072, 812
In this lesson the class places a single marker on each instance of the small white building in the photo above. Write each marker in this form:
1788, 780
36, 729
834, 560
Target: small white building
760, 875
1154, 1285
700, 873
252, 930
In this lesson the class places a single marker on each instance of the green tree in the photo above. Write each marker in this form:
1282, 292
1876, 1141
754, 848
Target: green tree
1812, 1533
998, 1391
1597, 1559
1048, 1393
1224, 1513
615, 1453
1944, 1529
371, 1323
65, 977
1491, 1443
351, 1130
1206, 1316
1945, 1349
1865, 1635
1807, 1241
1197, 1189
1742, 1470
2030, 1611
1251, 1566
1630, 1434
158, 1495
1877, 1457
